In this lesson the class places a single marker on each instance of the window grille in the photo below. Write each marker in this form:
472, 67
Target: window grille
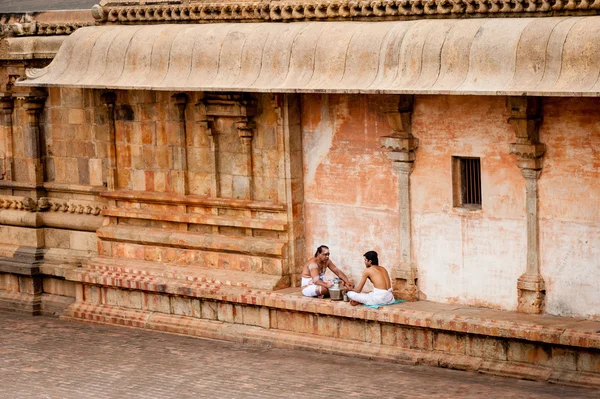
471, 181
467, 182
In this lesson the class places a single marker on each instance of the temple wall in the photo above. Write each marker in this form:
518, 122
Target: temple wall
463, 256
466, 256
570, 206
351, 197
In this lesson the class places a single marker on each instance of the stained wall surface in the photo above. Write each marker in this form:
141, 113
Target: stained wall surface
463, 256
569, 189
351, 197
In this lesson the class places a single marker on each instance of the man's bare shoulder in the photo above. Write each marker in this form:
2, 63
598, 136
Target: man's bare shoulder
311, 261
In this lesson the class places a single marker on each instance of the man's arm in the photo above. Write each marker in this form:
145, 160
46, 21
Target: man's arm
340, 274
363, 280
314, 273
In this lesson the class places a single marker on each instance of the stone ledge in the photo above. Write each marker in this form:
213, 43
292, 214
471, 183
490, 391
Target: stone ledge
461, 319
193, 200
293, 340
196, 218
191, 240
158, 277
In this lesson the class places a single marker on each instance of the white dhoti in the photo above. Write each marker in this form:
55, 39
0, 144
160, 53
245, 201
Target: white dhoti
310, 288
375, 297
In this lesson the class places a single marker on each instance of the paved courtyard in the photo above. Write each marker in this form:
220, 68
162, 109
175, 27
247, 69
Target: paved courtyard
42, 357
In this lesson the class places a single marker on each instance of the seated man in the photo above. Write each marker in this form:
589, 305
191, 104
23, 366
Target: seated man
382, 291
313, 274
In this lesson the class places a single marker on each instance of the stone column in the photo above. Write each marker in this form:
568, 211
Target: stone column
109, 100
180, 166
206, 124
6, 124
525, 117
246, 132
401, 146
33, 105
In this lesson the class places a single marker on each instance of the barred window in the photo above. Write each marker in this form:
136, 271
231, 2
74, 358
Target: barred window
467, 182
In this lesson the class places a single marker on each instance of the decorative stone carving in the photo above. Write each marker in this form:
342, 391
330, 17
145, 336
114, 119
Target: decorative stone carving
45, 204
400, 147
109, 99
6, 125
340, 9
180, 166
33, 104
240, 108
525, 117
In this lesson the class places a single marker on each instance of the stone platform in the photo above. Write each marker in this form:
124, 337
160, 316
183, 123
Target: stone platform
537, 347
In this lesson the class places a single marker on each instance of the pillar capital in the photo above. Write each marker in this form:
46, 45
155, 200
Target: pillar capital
525, 118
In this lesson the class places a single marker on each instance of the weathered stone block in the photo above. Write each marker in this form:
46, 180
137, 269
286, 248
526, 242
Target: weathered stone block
293, 321
58, 287
409, 338
92, 294
328, 326
226, 312
589, 361
256, 316
450, 343
57, 238
529, 353
563, 359
373, 332
487, 348
83, 240
209, 310
352, 329
157, 303
183, 307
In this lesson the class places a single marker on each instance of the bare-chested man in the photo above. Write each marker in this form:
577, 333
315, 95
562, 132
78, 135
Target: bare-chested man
313, 274
382, 285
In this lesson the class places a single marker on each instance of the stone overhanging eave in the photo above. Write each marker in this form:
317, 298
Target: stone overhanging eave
519, 56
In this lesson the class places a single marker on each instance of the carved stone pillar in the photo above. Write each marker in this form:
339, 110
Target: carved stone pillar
6, 125
237, 107
246, 132
180, 167
109, 100
401, 146
525, 117
32, 141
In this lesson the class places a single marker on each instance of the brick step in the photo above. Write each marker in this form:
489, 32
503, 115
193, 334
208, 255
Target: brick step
194, 218
134, 274
191, 240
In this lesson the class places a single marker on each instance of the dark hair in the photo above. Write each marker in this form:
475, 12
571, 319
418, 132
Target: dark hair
372, 256
320, 249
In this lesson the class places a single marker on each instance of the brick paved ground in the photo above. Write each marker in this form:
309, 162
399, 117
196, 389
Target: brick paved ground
44, 357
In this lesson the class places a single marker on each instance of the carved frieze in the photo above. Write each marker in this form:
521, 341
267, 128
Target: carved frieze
325, 9
34, 28
46, 204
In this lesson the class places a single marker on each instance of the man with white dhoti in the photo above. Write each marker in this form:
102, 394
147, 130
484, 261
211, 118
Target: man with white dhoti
379, 277
313, 274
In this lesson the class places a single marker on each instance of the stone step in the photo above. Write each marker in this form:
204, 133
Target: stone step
125, 273
191, 240
196, 218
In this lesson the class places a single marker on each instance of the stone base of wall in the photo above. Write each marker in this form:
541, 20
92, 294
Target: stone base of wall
547, 348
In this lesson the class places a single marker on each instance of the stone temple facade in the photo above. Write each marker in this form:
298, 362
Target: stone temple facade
171, 166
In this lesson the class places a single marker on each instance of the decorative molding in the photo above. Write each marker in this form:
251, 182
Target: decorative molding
400, 148
46, 204
324, 9
33, 28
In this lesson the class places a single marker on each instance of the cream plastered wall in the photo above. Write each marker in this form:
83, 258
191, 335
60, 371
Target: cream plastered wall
463, 256
569, 190
351, 197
